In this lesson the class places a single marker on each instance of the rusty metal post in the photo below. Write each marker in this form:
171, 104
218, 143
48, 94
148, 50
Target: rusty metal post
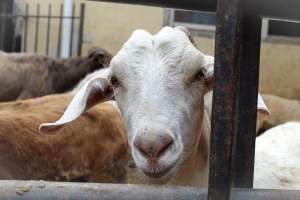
249, 78
225, 99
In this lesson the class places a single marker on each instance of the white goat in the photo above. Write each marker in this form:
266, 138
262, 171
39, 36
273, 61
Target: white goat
159, 82
277, 161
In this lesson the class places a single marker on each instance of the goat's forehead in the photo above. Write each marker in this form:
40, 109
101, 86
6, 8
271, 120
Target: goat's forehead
167, 45
142, 38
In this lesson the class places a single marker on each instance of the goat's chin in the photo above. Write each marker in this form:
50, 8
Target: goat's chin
158, 180
162, 177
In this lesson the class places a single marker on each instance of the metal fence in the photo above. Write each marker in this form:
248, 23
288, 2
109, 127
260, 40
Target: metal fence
233, 115
15, 35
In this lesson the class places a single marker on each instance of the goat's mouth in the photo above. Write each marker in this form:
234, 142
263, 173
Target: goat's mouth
158, 171
158, 174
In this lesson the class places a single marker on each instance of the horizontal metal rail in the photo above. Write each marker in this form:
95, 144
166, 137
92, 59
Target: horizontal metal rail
203, 5
282, 9
27, 190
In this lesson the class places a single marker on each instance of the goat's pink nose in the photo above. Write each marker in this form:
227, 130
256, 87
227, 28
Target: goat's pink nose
153, 145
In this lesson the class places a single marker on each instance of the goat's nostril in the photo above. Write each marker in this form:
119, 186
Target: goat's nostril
154, 146
138, 143
166, 143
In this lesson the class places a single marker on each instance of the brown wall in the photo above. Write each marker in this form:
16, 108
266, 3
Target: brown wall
109, 25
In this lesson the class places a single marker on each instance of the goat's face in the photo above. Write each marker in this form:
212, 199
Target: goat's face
159, 82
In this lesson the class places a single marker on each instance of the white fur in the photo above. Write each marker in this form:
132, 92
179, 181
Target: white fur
277, 160
153, 91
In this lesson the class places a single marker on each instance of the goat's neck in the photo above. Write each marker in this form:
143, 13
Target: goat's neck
194, 170
65, 73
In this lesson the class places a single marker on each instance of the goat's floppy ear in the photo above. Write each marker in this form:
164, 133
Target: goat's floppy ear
187, 32
95, 91
261, 106
208, 67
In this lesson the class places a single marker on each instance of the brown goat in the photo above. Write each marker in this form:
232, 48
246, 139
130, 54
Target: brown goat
92, 149
25, 76
282, 111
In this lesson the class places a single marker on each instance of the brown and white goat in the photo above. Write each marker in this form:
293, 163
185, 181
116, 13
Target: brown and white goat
159, 82
93, 148
282, 111
25, 76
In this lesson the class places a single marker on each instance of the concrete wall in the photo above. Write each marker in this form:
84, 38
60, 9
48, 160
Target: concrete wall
280, 69
109, 25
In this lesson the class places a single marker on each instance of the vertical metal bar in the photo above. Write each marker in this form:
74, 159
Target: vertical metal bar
81, 27
26, 27
9, 26
48, 28
13, 17
14, 20
37, 28
72, 30
59, 30
2, 25
225, 99
249, 77
168, 17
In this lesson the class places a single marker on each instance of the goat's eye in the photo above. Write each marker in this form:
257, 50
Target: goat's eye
199, 75
114, 81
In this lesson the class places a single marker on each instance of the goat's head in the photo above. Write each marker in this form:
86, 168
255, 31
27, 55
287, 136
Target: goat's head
98, 58
159, 82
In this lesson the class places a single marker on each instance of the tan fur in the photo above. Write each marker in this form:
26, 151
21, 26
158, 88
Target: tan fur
25, 75
282, 110
93, 148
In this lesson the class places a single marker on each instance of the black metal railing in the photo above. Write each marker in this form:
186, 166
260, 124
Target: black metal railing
13, 41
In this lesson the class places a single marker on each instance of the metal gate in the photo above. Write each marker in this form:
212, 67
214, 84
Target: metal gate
237, 53
37, 28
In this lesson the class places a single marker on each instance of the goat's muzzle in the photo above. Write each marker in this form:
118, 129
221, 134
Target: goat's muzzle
152, 144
